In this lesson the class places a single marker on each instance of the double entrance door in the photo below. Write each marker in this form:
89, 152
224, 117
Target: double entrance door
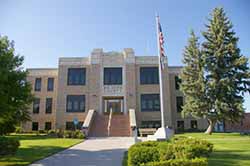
114, 104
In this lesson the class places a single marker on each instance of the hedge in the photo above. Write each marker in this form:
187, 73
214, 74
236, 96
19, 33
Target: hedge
8, 146
179, 162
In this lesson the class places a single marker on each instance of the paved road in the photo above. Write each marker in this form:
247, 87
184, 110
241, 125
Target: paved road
92, 152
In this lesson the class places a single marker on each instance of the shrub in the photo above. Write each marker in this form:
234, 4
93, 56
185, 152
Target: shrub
18, 129
179, 162
79, 134
147, 144
191, 148
60, 133
51, 133
142, 154
166, 151
8, 146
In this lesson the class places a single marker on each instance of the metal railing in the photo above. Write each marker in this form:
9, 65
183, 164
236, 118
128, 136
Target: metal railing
109, 123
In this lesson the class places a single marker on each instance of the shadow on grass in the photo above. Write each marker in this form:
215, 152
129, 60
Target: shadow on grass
25, 156
228, 158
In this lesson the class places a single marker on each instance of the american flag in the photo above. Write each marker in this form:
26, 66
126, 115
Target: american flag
161, 44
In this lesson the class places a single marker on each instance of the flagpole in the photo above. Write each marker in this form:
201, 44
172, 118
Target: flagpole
160, 74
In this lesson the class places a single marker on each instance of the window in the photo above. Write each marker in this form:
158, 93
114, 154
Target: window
48, 105
179, 103
194, 124
149, 75
71, 126
151, 124
75, 103
38, 84
113, 76
150, 102
180, 125
177, 82
47, 126
34, 126
76, 76
36, 105
50, 86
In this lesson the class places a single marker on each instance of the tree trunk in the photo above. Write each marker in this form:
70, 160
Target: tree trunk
210, 127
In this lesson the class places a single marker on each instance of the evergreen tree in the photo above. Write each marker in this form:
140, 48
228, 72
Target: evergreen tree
193, 84
225, 74
15, 92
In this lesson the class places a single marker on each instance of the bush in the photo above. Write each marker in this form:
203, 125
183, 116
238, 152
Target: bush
190, 148
18, 129
60, 133
8, 146
142, 154
51, 133
179, 162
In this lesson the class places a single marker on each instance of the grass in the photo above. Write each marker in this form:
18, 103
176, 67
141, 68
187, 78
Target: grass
35, 147
230, 149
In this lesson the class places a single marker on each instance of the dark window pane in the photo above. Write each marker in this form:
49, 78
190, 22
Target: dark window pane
35, 126
180, 125
71, 126
112, 76
149, 75
38, 84
177, 82
75, 103
150, 102
179, 103
76, 76
47, 126
36, 105
50, 86
194, 124
48, 105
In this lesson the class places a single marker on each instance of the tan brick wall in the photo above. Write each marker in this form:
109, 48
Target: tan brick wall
42, 117
176, 116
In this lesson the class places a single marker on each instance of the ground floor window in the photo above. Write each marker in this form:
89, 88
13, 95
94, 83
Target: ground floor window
150, 102
194, 124
47, 126
180, 125
151, 124
71, 126
35, 126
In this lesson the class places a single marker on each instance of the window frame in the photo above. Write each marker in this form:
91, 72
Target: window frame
179, 108
34, 111
73, 110
153, 109
177, 82
78, 127
73, 82
145, 75
36, 87
177, 125
32, 127
191, 124
46, 105
50, 79
45, 125
108, 73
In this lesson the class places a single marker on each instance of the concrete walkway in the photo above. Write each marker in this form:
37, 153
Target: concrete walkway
92, 152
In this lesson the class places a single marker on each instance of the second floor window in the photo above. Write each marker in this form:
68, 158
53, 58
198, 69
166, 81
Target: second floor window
38, 84
36, 105
75, 103
150, 102
50, 86
179, 103
76, 76
48, 106
149, 75
177, 83
113, 76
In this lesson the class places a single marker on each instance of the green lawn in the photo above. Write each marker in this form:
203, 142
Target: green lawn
36, 147
230, 149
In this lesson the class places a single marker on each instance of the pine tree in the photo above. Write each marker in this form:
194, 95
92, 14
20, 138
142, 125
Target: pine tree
216, 76
227, 72
192, 76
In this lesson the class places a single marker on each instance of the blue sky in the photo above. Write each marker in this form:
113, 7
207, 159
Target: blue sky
46, 30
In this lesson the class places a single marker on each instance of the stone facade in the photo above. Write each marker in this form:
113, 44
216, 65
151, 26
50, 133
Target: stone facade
128, 92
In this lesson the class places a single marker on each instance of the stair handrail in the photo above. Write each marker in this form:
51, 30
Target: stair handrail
109, 123
88, 121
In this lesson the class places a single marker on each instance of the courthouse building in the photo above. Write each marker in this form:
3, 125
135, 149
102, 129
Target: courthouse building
86, 89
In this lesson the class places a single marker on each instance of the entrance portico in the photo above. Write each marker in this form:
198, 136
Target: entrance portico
114, 103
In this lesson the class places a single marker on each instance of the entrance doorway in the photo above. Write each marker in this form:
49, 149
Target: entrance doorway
116, 104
